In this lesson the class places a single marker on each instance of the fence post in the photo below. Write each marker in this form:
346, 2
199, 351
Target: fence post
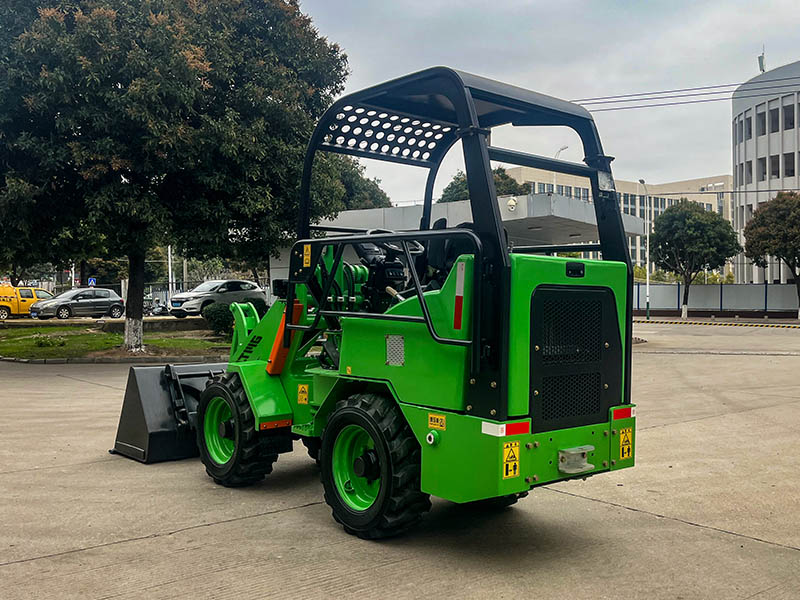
720, 297
638, 293
679, 295
766, 288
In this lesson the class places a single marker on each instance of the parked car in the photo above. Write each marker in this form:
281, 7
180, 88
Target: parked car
227, 291
82, 302
17, 301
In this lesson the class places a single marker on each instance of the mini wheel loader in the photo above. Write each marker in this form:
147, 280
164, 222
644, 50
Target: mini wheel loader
439, 361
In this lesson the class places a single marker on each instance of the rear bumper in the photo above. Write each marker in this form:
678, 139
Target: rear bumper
472, 458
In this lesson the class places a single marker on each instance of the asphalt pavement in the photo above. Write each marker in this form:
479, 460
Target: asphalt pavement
712, 509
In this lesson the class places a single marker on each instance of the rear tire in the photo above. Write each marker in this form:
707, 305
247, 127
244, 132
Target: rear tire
234, 453
63, 312
4, 313
370, 463
115, 312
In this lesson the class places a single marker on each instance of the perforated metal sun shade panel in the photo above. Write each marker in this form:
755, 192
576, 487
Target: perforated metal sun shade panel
376, 133
575, 378
395, 350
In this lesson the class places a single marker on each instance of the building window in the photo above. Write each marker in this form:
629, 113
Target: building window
541, 188
585, 194
748, 172
761, 123
762, 169
549, 188
788, 116
568, 191
708, 207
774, 166
774, 120
741, 173
788, 164
560, 190
748, 128
740, 131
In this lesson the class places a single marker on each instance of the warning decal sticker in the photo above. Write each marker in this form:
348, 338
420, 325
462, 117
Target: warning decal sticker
437, 421
510, 466
302, 393
306, 255
625, 442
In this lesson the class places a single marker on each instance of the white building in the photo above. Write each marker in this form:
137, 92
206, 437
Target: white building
765, 161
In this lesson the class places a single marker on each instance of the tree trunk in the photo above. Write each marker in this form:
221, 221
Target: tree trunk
797, 285
83, 273
254, 271
687, 281
15, 276
134, 304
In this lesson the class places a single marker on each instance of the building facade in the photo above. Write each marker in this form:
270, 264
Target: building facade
713, 193
765, 136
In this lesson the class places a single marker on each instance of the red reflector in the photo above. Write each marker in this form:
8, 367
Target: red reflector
276, 424
623, 413
518, 428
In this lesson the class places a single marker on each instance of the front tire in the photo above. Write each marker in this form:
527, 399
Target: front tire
234, 453
63, 312
370, 464
115, 312
4, 313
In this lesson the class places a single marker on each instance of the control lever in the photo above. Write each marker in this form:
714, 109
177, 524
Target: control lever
394, 293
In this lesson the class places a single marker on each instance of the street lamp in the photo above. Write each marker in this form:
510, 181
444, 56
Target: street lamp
559, 151
647, 213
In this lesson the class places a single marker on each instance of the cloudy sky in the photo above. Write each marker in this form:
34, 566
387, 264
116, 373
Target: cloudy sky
575, 49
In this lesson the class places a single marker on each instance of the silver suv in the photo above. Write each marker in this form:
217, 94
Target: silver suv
225, 291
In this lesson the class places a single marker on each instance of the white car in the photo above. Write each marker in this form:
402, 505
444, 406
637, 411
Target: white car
226, 291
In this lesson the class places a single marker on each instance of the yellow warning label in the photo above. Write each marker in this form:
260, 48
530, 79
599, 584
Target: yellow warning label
306, 255
302, 393
625, 442
349, 370
510, 466
437, 421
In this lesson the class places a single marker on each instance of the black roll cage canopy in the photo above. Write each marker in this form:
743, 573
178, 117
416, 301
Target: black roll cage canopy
415, 120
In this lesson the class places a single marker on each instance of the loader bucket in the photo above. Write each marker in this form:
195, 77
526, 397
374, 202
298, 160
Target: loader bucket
158, 412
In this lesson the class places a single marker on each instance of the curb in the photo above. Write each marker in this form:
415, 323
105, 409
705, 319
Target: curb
771, 325
109, 360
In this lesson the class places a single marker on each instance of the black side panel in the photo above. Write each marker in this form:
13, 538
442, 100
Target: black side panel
575, 377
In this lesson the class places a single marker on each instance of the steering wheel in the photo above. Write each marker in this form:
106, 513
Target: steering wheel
414, 247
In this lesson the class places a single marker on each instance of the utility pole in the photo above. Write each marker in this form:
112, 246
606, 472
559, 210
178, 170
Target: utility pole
648, 212
170, 280
559, 151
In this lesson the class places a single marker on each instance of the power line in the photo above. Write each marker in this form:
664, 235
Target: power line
675, 103
659, 194
768, 87
692, 89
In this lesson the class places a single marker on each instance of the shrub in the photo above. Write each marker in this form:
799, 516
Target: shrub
49, 341
219, 318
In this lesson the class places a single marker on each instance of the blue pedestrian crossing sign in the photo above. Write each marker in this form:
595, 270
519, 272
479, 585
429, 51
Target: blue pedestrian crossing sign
92, 281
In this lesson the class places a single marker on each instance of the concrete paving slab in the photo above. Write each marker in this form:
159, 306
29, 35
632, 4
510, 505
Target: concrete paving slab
712, 509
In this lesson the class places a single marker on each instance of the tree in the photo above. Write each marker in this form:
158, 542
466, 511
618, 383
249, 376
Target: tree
774, 230
687, 239
359, 191
504, 184
156, 118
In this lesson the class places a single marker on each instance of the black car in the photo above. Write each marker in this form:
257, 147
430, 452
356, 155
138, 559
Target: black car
82, 302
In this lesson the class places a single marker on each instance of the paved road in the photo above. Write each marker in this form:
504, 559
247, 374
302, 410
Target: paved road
711, 511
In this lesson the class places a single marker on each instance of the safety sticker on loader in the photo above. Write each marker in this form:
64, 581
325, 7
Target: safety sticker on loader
302, 393
625, 446
437, 421
306, 255
510, 460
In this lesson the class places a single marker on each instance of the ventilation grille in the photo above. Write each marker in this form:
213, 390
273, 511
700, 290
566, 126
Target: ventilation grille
395, 350
572, 330
368, 132
569, 396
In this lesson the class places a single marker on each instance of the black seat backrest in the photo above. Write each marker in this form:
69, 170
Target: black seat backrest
436, 249
458, 246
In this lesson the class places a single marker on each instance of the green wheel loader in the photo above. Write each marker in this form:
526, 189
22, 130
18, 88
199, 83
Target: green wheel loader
439, 361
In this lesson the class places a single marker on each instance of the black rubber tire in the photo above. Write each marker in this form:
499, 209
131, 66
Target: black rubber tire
63, 312
253, 454
179, 315
116, 312
43, 318
5, 313
400, 503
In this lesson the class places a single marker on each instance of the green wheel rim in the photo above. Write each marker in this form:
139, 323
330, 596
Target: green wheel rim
357, 492
220, 449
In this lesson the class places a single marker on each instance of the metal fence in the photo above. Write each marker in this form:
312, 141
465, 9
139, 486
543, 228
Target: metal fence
722, 297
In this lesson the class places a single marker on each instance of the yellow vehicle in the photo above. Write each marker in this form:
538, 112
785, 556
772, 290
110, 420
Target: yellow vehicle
16, 301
